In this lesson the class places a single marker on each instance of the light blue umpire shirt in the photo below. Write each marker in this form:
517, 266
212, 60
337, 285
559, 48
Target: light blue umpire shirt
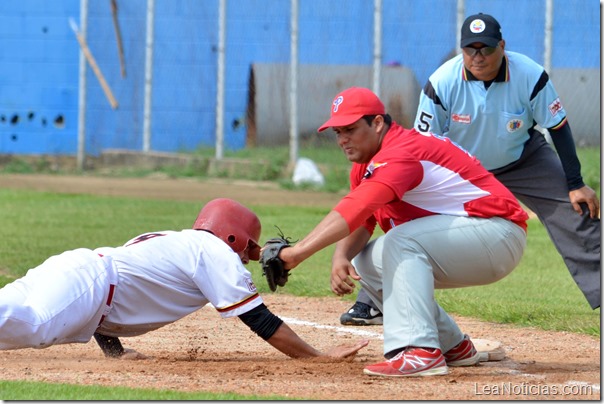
492, 123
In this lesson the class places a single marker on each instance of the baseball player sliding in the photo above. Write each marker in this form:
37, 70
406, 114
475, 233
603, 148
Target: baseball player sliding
152, 280
448, 223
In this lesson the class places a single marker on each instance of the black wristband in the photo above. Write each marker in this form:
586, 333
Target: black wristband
261, 321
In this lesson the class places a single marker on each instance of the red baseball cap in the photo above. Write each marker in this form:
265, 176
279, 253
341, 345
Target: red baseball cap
351, 105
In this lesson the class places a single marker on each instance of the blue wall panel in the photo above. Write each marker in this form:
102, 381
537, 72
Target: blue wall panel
576, 40
123, 127
336, 32
416, 41
38, 77
39, 60
256, 31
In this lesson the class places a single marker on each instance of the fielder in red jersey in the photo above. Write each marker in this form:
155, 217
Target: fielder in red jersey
429, 175
448, 223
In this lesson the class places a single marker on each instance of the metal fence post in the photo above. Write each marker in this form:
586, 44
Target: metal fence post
148, 76
293, 86
81, 156
220, 80
377, 45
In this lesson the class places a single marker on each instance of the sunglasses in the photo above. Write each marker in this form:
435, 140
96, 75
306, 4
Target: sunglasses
484, 51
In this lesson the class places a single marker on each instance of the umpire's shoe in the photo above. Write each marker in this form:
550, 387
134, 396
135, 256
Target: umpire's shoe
362, 314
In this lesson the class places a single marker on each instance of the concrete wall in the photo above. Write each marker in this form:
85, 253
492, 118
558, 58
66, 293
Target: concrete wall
268, 108
579, 90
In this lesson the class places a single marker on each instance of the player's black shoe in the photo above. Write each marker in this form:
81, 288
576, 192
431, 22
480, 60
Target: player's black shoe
362, 314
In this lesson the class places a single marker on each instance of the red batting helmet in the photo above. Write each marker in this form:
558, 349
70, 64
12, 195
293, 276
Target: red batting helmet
233, 223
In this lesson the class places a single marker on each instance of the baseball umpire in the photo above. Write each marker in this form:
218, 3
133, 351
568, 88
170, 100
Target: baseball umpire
448, 223
151, 281
489, 100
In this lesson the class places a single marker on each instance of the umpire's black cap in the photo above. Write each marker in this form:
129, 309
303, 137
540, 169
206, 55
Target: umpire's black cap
481, 28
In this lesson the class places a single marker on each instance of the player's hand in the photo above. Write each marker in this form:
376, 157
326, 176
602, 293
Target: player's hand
588, 196
342, 275
347, 351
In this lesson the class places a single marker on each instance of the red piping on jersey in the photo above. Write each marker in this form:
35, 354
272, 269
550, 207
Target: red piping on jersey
238, 304
561, 124
109, 296
109, 300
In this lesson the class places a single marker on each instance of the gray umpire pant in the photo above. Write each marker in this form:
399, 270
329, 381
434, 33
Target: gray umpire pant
538, 181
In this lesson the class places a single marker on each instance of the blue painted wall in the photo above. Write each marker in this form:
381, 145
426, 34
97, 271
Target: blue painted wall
39, 60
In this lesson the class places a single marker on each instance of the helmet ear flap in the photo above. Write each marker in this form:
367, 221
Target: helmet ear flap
253, 250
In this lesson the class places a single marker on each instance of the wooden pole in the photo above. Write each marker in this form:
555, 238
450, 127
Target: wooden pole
93, 65
118, 35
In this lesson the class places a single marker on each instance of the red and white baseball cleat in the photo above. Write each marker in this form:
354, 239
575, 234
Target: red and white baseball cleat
411, 361
463, 354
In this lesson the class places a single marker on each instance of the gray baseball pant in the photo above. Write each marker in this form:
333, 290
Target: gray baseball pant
538, 181
401, 269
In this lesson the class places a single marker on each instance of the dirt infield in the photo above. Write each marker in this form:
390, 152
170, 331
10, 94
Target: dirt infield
202, 352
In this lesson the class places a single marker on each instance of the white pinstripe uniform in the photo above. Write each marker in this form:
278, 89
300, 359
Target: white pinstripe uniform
157, 278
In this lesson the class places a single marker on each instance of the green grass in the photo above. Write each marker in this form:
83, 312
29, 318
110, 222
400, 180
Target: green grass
335, 167
539, 293
590, 158
321, 148
38, 224
33, 391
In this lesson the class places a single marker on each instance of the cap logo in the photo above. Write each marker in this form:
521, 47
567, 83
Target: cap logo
477, 26
337, 102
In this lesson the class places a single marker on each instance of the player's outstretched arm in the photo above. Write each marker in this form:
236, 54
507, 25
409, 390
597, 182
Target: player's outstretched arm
274, 331
330, 230
288, 342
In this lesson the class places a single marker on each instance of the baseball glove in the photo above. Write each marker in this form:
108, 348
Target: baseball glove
272, 266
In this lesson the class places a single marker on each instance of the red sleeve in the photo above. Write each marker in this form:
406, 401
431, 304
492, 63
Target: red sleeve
358, 206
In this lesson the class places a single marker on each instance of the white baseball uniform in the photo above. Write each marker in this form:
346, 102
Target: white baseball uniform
152, 280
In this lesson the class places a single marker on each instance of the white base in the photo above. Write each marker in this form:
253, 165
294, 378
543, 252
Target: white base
489, 350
